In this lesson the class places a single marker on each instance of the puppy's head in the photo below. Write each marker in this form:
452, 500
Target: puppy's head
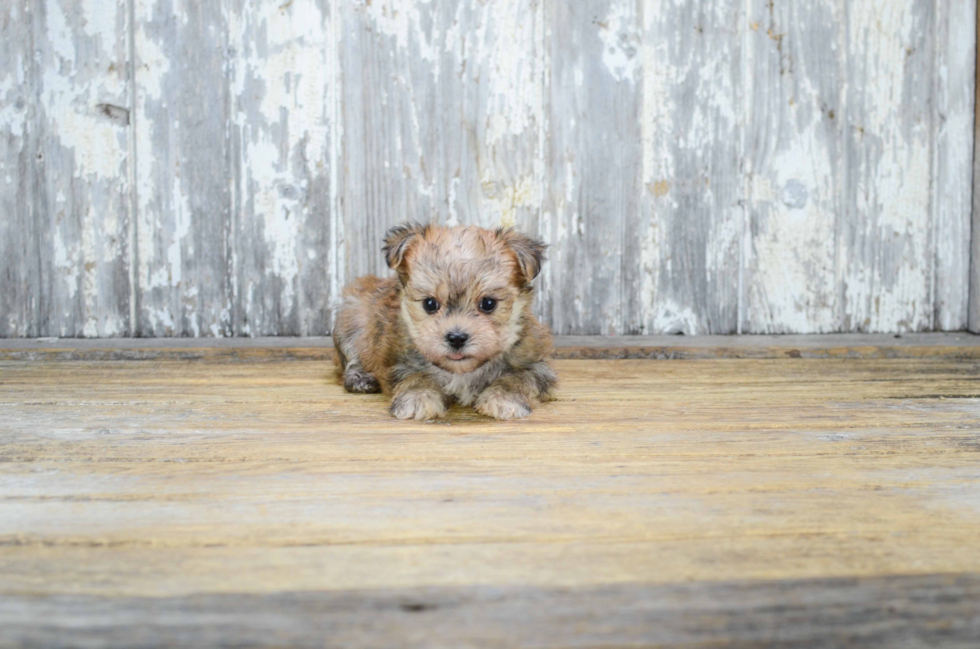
465, 289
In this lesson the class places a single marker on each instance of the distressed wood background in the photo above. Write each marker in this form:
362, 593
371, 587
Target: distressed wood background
183, 168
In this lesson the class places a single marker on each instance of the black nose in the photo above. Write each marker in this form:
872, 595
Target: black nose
457, 339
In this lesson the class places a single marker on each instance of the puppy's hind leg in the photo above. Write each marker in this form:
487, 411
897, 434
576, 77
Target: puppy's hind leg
356, 378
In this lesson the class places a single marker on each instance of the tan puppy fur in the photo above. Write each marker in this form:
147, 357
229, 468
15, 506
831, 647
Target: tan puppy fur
456, 324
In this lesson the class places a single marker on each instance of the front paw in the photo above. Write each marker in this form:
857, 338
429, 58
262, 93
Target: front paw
419, 404
504, 406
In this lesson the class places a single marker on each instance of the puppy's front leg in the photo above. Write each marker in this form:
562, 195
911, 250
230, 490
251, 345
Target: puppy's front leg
514, 394
418, 396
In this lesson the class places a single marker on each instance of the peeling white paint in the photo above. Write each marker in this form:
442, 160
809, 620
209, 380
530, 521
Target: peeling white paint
515, 89
153, 65
334, 112
514, 111
791, 248
401, 21
621, 40
672, 318
182, 228
64, 263
294, 73
793, 145
893, 282
657, 160
691, 120
12, 116
98, 143
102, 21
953, 192
81, 154
503, 204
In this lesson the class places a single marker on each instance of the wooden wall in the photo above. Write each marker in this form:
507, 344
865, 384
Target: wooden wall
974, 301
184, 168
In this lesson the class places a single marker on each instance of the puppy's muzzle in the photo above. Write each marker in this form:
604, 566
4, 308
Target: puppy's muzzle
457, 339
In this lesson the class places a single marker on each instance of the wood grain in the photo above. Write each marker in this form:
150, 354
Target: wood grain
950, 346
594, 61
19, 266
225, 488
793, 143
693, 129
238, 202
442, 112
287, 227
901, 612
65, 223
81, 190
953, 111
886, 250
974, 319
184, 169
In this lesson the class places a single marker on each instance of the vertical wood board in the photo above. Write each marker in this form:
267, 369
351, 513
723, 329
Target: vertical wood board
184, 169
886, 240
974, 315
792, 166
953, 125
64, 170
282, 60
686, 279
19, 270
442, 110
594, 161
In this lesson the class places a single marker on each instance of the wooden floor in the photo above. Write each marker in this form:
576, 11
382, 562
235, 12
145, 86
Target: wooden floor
784, 502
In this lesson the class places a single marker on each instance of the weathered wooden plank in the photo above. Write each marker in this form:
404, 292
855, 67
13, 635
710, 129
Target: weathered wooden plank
772, 503
185, 169
687, 277
953, 128
505, 59
81, 188
794, 62
893, 612
886, 235
974, 316
241, 206
19, 264
886, 181
286, 135
700, 168
593, 163
442, 112
856, 346
388, 177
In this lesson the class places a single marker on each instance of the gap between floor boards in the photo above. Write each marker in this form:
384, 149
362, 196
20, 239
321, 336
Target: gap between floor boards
874, 346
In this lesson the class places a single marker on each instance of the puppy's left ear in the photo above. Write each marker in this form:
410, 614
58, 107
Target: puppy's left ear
399, 240
528, 251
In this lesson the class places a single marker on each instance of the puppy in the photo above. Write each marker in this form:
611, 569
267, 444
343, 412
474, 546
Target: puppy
455, 324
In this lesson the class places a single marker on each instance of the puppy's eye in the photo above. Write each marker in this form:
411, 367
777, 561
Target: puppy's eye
488, 304
430, 305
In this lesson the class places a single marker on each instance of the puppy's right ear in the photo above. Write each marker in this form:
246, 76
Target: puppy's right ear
398, 240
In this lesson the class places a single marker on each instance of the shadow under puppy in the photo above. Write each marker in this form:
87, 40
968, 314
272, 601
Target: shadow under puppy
456, 323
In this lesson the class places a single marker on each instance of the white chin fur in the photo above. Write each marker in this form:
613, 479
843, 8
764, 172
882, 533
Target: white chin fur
458, 367
467, 386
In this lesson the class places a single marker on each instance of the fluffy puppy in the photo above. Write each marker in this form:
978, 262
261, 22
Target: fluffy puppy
455, 324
